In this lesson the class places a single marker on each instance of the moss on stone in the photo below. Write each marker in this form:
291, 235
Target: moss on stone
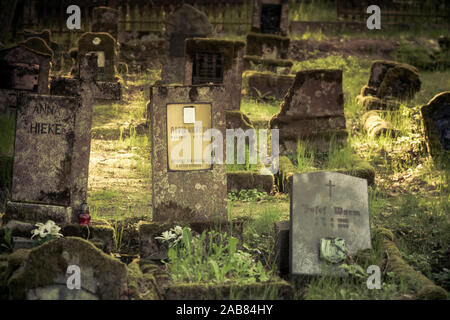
141, 286
37, 45
48, 261
401, 82
268, 62
256, 41
424, 287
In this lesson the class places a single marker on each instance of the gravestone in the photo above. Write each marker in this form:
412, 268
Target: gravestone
26, 67
436, 120
389, 82
105, 46
212, 61
326, 206
52, 149
48, 270
312, 112
46, 35
105, 19
186, 22
185, 186
271, 16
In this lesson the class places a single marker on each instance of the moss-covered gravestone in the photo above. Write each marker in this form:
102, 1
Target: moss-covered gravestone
389, 83
105, 19
186, 22
187, 185
46, 35
266, 85
436, 120
312, 112
271, 16
213, 61
105, 46
51, 155
26, 67
52, 270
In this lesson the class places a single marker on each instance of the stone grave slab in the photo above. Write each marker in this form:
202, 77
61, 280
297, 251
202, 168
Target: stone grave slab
436, 120
52, 150
185, 186
326, 205
26, 67
312, 111
212, 61
186, 22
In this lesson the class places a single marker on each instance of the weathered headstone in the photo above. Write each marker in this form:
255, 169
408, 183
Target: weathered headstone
52, 149
212, 61
105, 46
51, 271
264, 85
26, 67
105, 19
271, 16
185, 185
186, 22
326, 206
46, 35
436, 120
312, 111
389, 82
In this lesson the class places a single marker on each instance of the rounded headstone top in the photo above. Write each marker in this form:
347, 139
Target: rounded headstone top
188, 20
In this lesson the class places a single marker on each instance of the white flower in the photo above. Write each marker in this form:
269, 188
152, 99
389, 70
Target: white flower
43, 230
166, 236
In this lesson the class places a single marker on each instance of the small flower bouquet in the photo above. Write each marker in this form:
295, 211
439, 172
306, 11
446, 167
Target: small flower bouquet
46, 232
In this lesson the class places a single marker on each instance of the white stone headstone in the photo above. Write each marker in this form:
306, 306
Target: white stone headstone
326, 205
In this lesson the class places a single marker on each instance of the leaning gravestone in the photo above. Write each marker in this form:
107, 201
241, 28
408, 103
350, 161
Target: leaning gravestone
186, 185
186, 22
51, 156
436, 120
49, 270
389, 82
327, 208
312, 111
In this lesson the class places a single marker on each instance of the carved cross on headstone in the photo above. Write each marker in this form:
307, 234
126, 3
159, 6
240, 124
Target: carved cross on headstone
330, 185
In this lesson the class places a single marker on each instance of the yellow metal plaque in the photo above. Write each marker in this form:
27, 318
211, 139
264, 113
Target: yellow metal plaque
186, 145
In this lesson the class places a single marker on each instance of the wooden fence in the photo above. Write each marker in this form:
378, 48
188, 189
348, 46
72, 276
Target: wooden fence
396, 11
135, 15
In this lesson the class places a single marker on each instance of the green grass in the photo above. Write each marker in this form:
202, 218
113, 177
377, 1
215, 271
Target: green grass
259, 111
315, 10
211, 257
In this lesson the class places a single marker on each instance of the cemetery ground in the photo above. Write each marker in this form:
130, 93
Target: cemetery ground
410, 194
